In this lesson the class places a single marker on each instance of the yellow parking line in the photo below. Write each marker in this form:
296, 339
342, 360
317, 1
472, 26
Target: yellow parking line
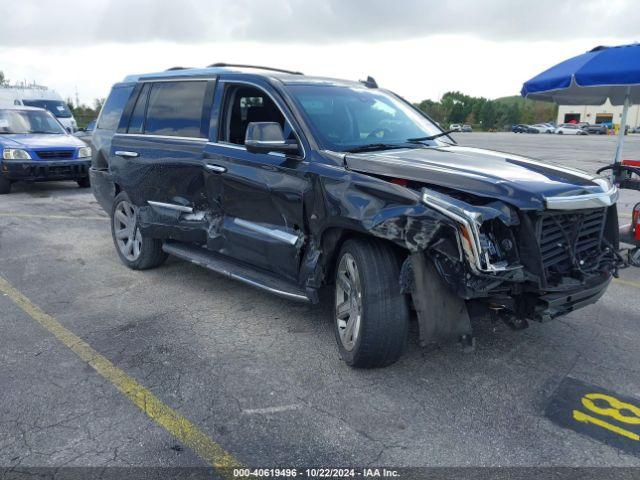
629, 283
49, 217
174, 423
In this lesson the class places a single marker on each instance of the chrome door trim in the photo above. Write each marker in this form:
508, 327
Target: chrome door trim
166, 137
233, 146
171, 206
286, 237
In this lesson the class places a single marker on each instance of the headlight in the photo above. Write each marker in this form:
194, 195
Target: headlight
84, 152
15, 154
475, 244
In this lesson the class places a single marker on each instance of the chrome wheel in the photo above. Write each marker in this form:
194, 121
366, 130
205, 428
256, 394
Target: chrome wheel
127, 234
348, 301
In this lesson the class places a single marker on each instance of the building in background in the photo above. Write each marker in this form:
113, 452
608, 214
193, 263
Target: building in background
597, 114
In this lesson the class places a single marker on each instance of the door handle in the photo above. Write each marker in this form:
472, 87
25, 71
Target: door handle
215, 168
126, 154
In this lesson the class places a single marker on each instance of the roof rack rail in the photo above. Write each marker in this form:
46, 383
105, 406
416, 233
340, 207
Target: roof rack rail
176, 68
254, 66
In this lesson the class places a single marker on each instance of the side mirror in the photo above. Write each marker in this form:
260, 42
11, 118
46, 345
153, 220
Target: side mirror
265, 137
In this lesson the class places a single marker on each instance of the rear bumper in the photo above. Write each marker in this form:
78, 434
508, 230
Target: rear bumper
42, 171
103, 188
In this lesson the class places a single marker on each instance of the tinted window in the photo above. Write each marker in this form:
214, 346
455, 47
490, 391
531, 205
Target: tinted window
136, 122
57, 107
176, 109
112, 109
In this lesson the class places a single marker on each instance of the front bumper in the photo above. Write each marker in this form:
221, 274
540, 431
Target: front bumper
560, 303
42, 171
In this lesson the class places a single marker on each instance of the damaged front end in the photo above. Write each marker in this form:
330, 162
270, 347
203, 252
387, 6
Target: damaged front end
495, 260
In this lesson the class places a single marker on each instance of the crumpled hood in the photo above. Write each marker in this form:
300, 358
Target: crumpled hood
514, 179
37, 141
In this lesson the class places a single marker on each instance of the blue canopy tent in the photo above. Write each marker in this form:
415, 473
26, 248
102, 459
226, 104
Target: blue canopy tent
590, 79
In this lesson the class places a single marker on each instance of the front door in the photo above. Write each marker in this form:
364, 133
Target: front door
158, 157
260, 195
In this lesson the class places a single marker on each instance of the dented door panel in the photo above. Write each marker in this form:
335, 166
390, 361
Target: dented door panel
259, 199
166, 171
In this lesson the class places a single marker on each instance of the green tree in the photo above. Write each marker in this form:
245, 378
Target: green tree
488, 115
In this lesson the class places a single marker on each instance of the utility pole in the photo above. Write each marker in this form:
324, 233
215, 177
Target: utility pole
77, 98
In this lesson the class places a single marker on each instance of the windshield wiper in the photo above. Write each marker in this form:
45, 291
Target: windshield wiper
431, 137
376, 146
43, 131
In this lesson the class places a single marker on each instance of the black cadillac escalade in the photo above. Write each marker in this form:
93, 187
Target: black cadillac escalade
290, 183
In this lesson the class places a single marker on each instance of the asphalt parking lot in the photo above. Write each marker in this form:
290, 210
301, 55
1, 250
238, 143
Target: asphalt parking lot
259, 378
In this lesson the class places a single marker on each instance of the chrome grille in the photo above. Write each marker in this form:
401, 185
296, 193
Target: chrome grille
564, 235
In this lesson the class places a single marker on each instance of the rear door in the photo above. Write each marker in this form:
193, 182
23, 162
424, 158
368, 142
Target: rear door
157, 156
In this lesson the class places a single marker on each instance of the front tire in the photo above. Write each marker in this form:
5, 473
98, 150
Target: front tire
371, 315
136, 250
84, 182
5, 186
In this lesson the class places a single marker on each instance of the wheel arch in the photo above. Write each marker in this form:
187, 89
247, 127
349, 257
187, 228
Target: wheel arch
332, 240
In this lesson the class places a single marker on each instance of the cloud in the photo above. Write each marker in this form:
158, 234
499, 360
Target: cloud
68, 23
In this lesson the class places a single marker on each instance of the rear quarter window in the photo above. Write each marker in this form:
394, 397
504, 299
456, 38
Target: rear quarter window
113, 107
176, 109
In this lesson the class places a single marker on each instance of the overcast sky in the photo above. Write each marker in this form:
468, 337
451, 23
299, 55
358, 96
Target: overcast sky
419, 49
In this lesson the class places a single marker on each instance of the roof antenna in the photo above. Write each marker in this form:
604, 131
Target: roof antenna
370, 82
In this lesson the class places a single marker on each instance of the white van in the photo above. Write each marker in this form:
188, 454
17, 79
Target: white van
38, 96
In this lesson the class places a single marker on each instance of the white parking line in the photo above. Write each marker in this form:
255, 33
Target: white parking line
268, 410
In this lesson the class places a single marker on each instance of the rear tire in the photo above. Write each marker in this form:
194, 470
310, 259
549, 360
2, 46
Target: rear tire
84, 182
371, 315
136, 250
5, 186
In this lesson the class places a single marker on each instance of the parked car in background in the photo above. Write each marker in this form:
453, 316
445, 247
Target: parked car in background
36, 148
291, 183
455, 127
523, 128
597, 129
466, 128
570, 129
542, 128
41, 97
84, 134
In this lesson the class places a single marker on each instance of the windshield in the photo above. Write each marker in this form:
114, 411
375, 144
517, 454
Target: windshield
350, 118
57, 107
28, 121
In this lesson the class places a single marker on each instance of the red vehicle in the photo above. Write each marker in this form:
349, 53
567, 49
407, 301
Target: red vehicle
629, 178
